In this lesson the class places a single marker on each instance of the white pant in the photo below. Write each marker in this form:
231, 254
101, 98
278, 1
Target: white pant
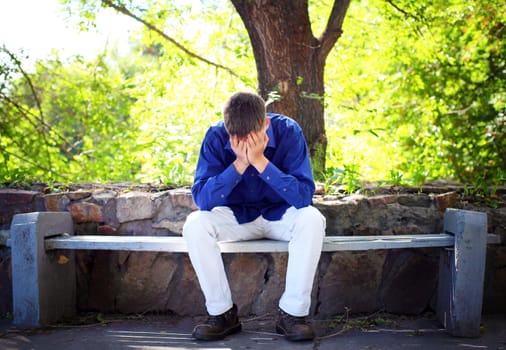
304, 228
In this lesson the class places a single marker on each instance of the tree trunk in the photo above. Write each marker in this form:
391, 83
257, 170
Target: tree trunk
290, 63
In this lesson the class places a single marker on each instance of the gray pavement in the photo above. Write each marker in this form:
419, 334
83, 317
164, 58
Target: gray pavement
174, 333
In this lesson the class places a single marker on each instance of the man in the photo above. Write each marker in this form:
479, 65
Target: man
254, 180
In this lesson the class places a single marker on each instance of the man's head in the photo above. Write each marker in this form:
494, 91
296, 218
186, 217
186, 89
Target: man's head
243, 113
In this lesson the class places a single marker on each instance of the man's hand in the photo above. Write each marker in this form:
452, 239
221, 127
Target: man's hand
257, 142
239, 146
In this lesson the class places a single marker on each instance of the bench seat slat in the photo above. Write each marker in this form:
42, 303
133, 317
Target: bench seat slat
177, 243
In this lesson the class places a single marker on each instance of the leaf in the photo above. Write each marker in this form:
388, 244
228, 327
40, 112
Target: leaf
63, 260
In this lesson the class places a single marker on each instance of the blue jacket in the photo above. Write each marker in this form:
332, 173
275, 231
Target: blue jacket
286, 181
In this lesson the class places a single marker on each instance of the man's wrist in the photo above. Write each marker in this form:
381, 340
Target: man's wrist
261, 164
240, 167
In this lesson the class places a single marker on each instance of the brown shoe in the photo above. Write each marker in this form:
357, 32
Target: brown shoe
294, 328
218, 327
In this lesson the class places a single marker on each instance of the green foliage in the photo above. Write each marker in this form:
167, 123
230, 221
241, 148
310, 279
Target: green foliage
415, 91
66, 122
345, 180
431, 78
134, 118
7, 316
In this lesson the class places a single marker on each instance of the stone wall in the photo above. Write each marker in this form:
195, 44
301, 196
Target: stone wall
396, 281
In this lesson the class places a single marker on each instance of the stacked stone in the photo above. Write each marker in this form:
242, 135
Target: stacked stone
396, 281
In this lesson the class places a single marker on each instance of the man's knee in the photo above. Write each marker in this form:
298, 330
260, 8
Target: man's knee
312, 217
310, 224
196, 223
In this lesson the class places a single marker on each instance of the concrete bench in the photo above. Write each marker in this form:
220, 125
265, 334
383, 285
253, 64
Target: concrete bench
44, 277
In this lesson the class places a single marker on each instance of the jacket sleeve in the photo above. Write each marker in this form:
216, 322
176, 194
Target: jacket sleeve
292, 177
214, 177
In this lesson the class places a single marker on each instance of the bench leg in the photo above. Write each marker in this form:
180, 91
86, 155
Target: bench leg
462, 273
43, 284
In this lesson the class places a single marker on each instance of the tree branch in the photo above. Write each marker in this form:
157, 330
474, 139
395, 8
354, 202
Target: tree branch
26, 160
334, 27
404, 12
125, 11
34, 95
408, 14
25, 114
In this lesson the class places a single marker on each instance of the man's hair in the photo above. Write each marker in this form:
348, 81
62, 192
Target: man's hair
244, 112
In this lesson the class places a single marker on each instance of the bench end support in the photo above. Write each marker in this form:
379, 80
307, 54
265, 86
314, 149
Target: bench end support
462, 273
44, 283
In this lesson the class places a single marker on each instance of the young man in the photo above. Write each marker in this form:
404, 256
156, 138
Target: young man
254, 180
